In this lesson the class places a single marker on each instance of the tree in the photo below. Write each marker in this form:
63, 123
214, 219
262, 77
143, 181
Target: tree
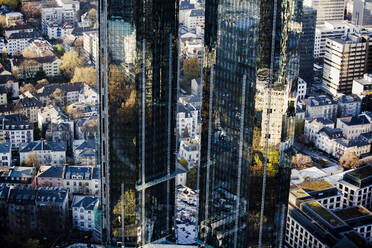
301, 161
92, 16
2, 21
11, 3
191, 68
40, 74
32, 160
27, 87
59, 49
192, 178
70, 61
30, 10
349, 160
41, 83
183, 162
85, 74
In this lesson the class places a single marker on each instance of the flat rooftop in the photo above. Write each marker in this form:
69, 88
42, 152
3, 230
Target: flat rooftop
298, 192
324, 213
316, 186
352, 213
362, 173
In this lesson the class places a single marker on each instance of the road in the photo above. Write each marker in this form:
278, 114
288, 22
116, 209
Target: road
315, 155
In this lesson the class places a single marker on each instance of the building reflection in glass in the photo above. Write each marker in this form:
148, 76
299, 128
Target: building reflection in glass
250, 68
138, 93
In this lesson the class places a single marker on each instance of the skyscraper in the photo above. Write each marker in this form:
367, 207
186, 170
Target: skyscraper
307, 45
327, 10
138, 94
362, 12
251, 62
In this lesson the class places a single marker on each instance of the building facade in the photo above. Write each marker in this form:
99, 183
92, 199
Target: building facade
362, 12
250, 62
138, 94
328, 10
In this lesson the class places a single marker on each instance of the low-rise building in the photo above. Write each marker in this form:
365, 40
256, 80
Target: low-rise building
50, 176
325, 139
13, 18
321, 106
16, 130
26, 68
301, 89
353, 126
349, 105
18, 41
362, 86
82, 180
358, 146
196, 17
5, 154
71, 92
313, 126
356, 187
83, 212
17, 175
47, 152
190, 151
359, 218
187, 120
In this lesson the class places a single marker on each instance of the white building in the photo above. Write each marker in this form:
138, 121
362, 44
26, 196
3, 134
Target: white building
83, 209
13, 17
185, 10
90, 44
190, 150
88, 95
353, 126
57, 31
48, 152
187, 121
5, 154
313, 126
325, 139
356, 187
327, 10
349, 105
16, 130
321, 107
17, 42
362, 86
301, 89
358, 146
196, 17
344, 60
82, 180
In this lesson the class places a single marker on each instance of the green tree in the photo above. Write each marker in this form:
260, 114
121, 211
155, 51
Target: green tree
192, 178
59, 49
70, 61
191, 68
183, 162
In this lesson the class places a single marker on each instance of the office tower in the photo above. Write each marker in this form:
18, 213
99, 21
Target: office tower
251, 61
307, 45
327, 10
362, 12
138, 94
345, 59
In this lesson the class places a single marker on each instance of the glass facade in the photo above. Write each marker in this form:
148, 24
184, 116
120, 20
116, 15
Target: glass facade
251, 64
138, 94
307, 45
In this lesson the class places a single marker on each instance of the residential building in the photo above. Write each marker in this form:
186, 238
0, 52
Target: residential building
5, 154
353, 126
86, 128
20, 28
196, 16
52, 210
348, 105
88, 95
13, 18
18, 41
190, 151
187, 121
3, 95
85, 152
358, 145
22, 210
327, 10
57, 31
325, 139
362, 12
49, 114
50, 176
196, 87
18, 175
151, 55
90, 44
307, 42
344, 60
16, 130
71, 91
301, 89
83, 212
59, 132
240, 73
82, 180
185, 9
356, 187
66, 11
48, 152
27, 68
321, 107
